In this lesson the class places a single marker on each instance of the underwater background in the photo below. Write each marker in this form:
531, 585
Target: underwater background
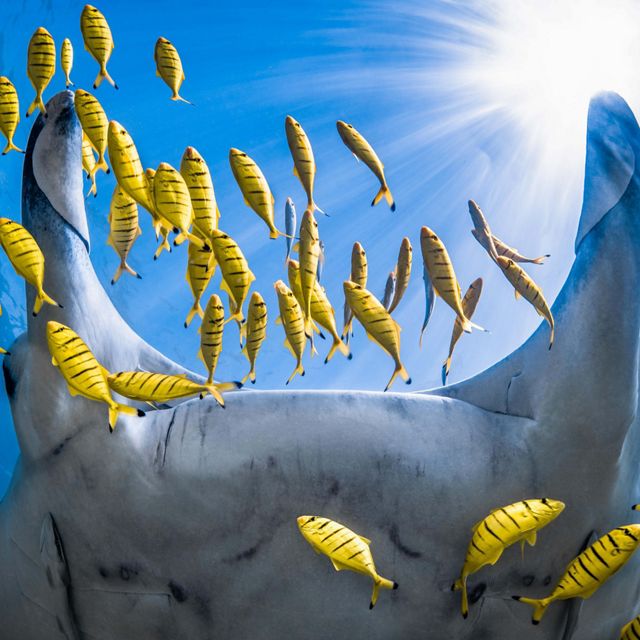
411, 77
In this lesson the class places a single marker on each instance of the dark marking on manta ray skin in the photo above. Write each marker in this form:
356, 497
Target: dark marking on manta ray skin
476, 593
64, 122
178, 592
103, 572
9, 382
272, 463
528, 580
49, 577
394, 536
167, 437
127, 572
547, 581
58, 450
334, 489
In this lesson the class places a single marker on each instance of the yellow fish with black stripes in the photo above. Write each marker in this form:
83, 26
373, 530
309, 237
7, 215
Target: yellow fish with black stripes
66, 61
161, 227
201, 265
9, 113
159, 388
89, 164
403, 272
254, 187
321, 310
169, 67
345, 549
98, 41
26, 258
84, 375
211, 331
304, 164
292, 320
197, 177
359, 272
127, 167
442, 276
95, 125
469, 304
256, 333
236, 275
362, 150
41, 65
123, 229
631, 630
524, 286
591, 569
381, 328
309, 252
513, 254
503, 527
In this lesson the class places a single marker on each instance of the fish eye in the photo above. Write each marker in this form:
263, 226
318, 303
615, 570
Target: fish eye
313, 518
350, 126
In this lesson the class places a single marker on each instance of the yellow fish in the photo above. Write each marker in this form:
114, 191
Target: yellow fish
160, 227
236, 275
173, 203
201, 265
256, 333
591, 569
513, 254
469, 303
89, 164
362, 150
503, 527
197, 177
211, 335
403, 272
127, 167
309, 251
631, 630
9, 113
123, 229
158, 388
66, 60
442, 276
381, 328
98, 41
524, 286
255, 189
321, 310
292, 320
304, 164
95, 125
359, 271
41, 65
345, 549
169, 67
27, 259
84, 375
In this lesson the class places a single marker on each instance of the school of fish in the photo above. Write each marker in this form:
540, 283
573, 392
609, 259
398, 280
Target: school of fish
182, 202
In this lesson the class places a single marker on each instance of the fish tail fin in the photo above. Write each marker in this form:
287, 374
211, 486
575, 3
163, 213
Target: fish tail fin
124, 267
197, 240
314, 207
541, 259
41, 298
386, 194
94, 186
103, 74
213, 390
197, 308
539, 607
11, 147
250, 375
467, 325
399, 371
100, 165
116, 409
99, 78
298, 370
551, 337
165, 245
446, 366
37, 104
380, 582
179, 98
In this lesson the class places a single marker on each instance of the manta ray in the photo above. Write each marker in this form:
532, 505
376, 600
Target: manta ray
182, 525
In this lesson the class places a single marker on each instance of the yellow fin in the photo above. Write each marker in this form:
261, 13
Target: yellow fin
287, 344
365, 540
531, 539
516, 293
279, 320
72, 391
54, 362
295, 171
337, 565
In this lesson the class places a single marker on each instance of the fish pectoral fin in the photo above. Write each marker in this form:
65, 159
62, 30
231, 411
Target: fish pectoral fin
72, 391
279, 320
247, 203
337, 565
295, 171
54, 362
539, 312
531, 539
158, 73
296, 247
356, 157
287, 344
365, 540
371, 338
516, 293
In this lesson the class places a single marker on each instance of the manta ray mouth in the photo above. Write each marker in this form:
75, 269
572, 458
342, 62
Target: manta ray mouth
53, 164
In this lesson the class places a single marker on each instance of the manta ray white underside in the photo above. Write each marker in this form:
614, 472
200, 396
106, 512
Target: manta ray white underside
183, 526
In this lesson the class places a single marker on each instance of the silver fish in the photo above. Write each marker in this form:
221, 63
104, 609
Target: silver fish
320, 262
482, 232
289, 225
430, 301
389, 290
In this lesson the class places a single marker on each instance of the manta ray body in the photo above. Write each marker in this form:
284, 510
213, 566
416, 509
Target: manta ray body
182, 525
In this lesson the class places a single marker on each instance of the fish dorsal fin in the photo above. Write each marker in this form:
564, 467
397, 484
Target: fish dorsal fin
365, 540
611, 158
